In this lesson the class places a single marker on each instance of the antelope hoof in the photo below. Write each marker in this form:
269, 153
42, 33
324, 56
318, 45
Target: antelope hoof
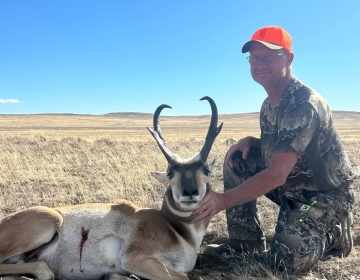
43, 272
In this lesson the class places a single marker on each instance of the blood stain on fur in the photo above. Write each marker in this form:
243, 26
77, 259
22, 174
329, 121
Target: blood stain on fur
84, 237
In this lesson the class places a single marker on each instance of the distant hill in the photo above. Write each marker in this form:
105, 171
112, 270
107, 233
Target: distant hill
139, 115
129, 115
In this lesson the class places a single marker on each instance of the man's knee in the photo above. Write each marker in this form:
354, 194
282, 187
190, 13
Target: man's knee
242, 169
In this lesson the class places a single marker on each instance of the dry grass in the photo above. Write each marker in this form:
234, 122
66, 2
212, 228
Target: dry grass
57, 160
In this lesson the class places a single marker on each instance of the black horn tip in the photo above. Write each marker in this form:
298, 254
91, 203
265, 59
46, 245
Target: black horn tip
211, 101
162, 106
207, 98
157, 114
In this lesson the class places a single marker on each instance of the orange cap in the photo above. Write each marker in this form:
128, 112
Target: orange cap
274, 37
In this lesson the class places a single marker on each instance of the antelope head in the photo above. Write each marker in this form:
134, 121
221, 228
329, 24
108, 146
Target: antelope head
188, 178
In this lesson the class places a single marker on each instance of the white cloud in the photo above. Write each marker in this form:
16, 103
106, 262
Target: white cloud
9, 101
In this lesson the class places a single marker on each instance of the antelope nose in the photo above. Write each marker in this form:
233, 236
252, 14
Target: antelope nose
190, 193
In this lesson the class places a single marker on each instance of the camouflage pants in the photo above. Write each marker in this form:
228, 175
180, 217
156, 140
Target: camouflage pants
307, 221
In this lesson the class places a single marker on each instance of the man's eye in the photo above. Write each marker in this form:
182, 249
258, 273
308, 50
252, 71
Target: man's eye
269, 57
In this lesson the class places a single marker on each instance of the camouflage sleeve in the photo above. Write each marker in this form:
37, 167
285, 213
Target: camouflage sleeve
297, 129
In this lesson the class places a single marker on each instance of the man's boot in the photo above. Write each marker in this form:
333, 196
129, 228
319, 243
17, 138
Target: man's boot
245, 234
345, 242
249, 247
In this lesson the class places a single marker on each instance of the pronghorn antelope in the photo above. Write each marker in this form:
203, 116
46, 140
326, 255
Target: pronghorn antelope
94, 240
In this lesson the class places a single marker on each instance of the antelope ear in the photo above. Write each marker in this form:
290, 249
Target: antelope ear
161, 177
211, 166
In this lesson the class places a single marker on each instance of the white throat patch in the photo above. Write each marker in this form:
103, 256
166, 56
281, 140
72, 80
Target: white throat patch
176, 212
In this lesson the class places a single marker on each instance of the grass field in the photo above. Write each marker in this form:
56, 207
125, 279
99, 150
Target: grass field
56, 160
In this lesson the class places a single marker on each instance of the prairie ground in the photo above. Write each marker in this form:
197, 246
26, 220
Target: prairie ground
56, 160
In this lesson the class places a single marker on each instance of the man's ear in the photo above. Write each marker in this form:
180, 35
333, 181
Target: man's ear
290, 58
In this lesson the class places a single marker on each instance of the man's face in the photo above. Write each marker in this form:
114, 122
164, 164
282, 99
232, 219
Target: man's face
268, 66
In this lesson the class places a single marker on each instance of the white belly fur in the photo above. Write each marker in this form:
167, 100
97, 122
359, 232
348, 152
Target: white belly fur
88, 247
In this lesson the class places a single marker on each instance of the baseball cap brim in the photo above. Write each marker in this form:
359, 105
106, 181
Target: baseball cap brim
247, 45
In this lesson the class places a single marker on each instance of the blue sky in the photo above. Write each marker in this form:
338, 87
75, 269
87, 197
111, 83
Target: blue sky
97, 57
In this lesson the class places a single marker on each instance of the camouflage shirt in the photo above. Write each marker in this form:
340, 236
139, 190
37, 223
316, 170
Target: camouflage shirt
302, 123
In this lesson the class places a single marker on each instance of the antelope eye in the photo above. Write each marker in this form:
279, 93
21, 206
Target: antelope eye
170, 174
206, 171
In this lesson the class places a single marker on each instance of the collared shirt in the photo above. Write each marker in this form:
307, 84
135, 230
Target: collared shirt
302, 124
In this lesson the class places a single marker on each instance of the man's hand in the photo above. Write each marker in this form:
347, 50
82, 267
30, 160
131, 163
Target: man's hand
243, 145
212, 204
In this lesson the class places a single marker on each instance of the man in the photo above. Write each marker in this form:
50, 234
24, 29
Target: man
298, 162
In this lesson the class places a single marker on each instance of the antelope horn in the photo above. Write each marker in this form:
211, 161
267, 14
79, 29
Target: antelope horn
159, 137
213, 129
